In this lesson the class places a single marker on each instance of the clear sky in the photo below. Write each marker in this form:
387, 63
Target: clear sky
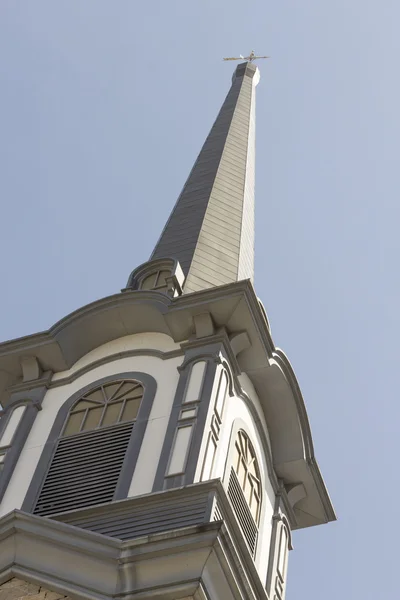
104, 106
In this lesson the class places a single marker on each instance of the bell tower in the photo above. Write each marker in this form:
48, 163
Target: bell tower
155, 443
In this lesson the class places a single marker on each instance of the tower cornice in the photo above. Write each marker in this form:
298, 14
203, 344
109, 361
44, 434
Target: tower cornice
233, 307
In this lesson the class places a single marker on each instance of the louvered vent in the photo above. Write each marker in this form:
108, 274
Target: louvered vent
84, 470
242, 511
217, 513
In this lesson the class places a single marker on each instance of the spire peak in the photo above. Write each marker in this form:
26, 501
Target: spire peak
249, 69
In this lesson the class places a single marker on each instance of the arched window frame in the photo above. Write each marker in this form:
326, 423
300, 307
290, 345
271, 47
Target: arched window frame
159, 281
172, 278
99, 402
240, 425
134, 445
246, 462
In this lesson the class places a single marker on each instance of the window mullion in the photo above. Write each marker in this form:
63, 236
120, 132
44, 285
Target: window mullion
102, 415
121, 412
84, 419
116, 391
104, 393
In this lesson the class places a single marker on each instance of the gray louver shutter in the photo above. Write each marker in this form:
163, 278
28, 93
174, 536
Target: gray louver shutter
84, 470
242, 511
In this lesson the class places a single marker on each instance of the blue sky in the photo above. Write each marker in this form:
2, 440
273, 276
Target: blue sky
104, 106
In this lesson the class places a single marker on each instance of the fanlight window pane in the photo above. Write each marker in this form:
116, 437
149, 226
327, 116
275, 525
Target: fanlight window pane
236, 460
241, 473
131, 409
110, 390
149, 282
252, 468
93, 417
128, 389
83, 404
161, 282
112, 414
156, 281
74, 423
96, 396
106, 405
255, 509
248, 492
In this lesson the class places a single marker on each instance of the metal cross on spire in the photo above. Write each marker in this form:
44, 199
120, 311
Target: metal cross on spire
250, 58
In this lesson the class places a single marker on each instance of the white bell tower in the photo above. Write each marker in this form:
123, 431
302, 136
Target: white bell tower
155, 443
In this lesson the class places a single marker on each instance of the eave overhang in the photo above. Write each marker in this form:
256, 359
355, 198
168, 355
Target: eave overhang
234, 308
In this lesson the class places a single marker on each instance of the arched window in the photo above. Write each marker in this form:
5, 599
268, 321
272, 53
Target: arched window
89, 455
156, 281
248, 474
244, 488
109, 404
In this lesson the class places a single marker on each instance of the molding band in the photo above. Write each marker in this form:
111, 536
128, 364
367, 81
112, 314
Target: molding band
113, 357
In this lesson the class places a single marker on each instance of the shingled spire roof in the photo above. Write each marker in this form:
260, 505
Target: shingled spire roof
211, 228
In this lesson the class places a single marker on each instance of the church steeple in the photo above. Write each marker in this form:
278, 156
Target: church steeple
157, 439
211, 228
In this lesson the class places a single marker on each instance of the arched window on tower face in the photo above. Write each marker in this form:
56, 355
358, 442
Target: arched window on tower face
88, 459
246, 469
244, 488
156, 281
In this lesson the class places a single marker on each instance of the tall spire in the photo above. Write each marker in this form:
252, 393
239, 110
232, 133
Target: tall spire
211, 228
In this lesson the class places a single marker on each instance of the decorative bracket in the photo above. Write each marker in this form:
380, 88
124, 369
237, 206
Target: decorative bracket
295, 492
203, 324
239, 342
31, 369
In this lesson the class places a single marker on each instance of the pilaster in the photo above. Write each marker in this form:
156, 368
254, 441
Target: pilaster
28, 394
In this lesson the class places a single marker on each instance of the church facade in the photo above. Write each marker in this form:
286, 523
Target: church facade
155, 443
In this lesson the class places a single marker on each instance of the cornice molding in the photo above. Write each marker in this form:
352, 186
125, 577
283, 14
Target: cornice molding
233, 308
112, 358
219, 338
287, 369
25, 386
